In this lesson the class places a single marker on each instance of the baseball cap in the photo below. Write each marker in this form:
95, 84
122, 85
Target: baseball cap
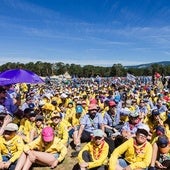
98, 133
93, 101
143, 129
134, 113
160, 130
11, 127
47, 134
112, 103
32, 114
155, 112
31, 105
39, 117
92, 107
162, 141
79, 109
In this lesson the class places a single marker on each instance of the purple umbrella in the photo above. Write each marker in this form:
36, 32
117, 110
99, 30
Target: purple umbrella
19, 76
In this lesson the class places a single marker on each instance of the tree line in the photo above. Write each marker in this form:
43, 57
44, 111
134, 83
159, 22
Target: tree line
49, 69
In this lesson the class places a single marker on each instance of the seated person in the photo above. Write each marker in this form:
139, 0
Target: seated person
88, 123
112, 119
39, 125
47, 150
137, 152
28, 124
11, 147
161, 154
59, 126
94, 154
130, 127
4, 120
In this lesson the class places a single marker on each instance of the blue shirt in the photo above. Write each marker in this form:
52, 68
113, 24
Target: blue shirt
112, 120
91, 124
133, 129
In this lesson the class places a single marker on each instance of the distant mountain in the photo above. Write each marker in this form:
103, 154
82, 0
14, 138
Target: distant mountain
164, 63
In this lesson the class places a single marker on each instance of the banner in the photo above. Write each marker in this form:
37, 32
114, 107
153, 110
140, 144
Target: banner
131, 77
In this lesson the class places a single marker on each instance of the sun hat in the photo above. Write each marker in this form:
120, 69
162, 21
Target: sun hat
11, 127
92, 107
47, 134
98, 133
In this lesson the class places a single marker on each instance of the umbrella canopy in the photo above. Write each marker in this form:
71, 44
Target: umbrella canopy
14, 76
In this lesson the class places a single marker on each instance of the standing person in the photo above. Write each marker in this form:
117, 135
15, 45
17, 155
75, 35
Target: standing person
94, 154
137, 152
11, 147
45, 150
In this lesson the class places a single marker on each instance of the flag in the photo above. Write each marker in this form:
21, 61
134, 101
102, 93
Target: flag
130, 77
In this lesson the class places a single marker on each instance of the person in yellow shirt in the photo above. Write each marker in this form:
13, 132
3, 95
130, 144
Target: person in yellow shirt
45, 150
11, 147
94, 154
60, 127
137, 152
39, 125
27, 125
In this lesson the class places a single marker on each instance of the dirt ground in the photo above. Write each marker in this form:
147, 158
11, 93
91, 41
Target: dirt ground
67, 164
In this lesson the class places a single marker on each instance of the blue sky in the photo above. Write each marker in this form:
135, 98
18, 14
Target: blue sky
97, 32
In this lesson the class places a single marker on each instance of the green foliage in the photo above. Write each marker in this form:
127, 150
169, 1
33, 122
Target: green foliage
49, 69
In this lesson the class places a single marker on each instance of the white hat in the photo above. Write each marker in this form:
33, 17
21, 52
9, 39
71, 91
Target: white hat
11, 127
98, 133
63, 95
134, 113
144, 127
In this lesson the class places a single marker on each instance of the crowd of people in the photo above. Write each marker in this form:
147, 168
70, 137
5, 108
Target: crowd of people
110, 124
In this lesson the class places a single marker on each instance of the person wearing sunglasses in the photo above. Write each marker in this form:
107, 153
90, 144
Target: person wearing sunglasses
94, 154
134, 154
